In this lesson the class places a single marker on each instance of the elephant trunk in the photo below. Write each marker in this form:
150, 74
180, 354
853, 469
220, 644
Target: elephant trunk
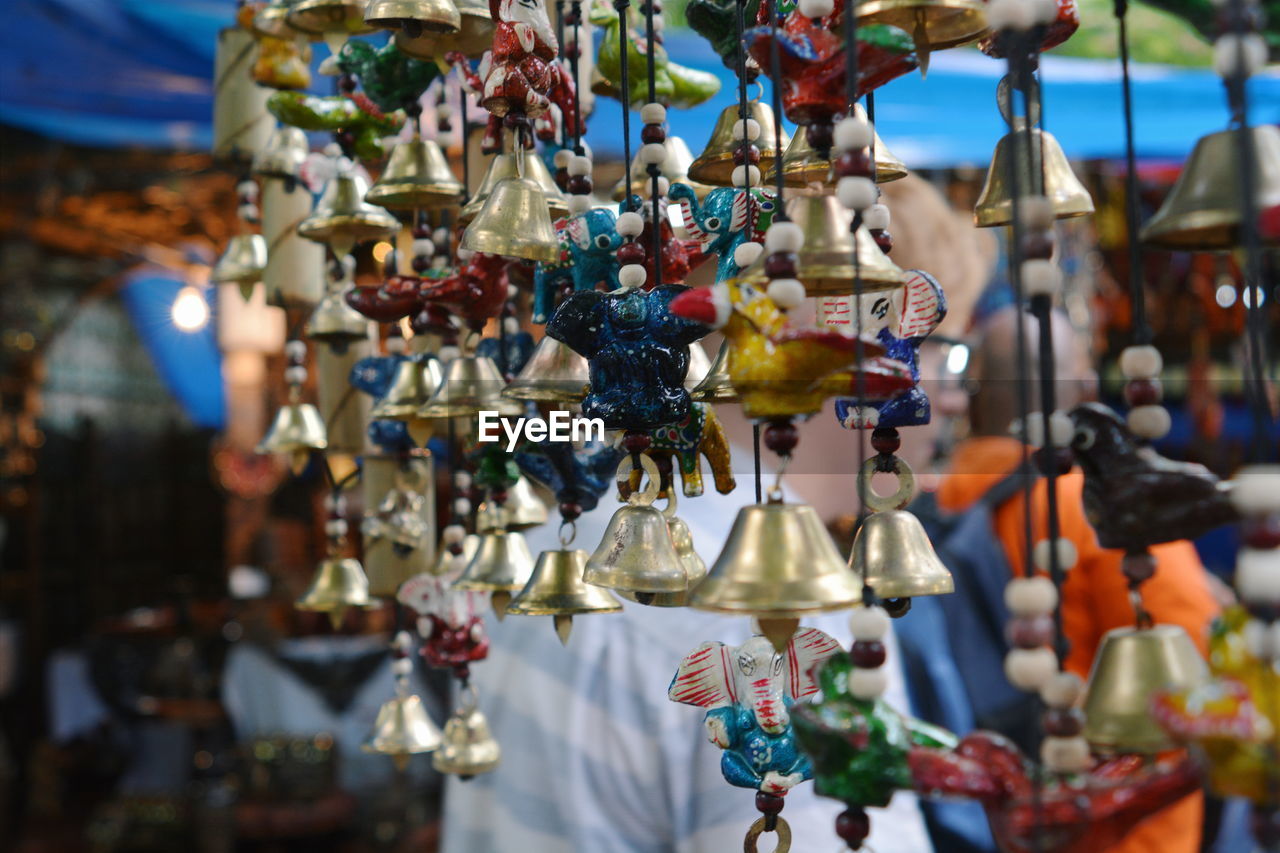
766, 702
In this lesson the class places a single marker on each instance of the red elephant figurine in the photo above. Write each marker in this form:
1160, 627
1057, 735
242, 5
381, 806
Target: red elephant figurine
474, 292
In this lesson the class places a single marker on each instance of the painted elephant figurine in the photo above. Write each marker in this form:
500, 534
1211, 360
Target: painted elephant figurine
373, 376
748, 691
354, 114
576, 475
675, 85
724, 220
687, 442
450, 621
390, 79
589, 244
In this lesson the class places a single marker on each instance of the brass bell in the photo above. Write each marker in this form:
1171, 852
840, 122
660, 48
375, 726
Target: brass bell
335, 323
504, 166
893, 555
284, 154
342, 218
674, 168
339, 585
1131, 664
694, 569
414, 16
417, 176
932, 24
554, 373
328, 17
242, 262
825, 261
515, 223
402, 729
297, 430
802, 165
714, 166
271, 20
467, 748
411, 387
471, 384
715, 386
1061, 186
699, 367
473, 38
1202, 211
557, 589
637, 552
501, 566
522, 510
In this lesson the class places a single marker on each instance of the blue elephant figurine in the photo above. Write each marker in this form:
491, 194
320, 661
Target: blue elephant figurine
373, 376
576, 475
724, 220
589, 244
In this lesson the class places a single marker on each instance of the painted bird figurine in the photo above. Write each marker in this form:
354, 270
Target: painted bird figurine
1136, 498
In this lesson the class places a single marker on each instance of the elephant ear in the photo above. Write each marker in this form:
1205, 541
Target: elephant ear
575, 227
807, 649
740, 211
923, 305
705, 677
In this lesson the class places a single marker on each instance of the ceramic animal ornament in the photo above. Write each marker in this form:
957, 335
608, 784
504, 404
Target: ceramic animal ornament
346, 113
373, 375
716, 21
724, 220
389, 79
588, 260
474, 293
578, 476
675, 85
450, 621
685, 443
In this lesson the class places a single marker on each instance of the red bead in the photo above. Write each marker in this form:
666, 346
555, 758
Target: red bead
570, 511
751, 156
781, 437
885, 440
821, 135
1063, 722
1029, 632
1142, 392
1138, 566
636, 442
579, 185
631, 253
652, 133
867, 654
855, 163
572, 52
780, 265
769, 804
853, 826
1058, 460
562, 179
1037, 245
883, 239
421, 263
422, 232
499, 496
1261, 533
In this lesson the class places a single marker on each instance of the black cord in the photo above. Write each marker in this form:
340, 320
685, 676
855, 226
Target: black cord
741, 71
654, 172
755, 432
466, 147
1137, 294
625, 84
775, 69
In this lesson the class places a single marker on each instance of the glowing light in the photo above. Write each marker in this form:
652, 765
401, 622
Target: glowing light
1225, 295
957, 359
190, 311
381, 250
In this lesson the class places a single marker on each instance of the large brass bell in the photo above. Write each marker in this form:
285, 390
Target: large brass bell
327, 17
342, 218
802, 165
339, 585
472, 384
335, 323
825, 261
557, 589
514, 222
1202, 211
284, 154
502, 565
473, 38
242, 262
932, 24
554, 373
402, 729
414, 16
1130, 665
714, 166
637, 552
467, 748
675, 169
893, 555
417, 176
715, 386
694, 568
297, 430
523, 509
504, 166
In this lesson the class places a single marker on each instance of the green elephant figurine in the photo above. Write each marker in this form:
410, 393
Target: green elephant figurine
389, 78
675, 85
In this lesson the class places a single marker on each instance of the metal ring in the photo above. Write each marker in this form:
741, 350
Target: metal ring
467, 698
669, 511
783, 830
650, 492
900, 498
567, 539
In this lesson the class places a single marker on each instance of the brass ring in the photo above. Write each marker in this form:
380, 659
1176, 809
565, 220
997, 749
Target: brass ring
900, 498
783, 829
650, 492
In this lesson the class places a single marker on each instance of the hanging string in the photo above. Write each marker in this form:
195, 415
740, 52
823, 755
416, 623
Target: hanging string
654, 171
741, 70
775, 70
755, 432
871, 119
625, 82
1137, 295
576, 11
466, 147
564, 119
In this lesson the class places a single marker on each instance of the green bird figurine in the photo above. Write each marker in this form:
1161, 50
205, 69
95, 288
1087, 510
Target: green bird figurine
675, 85
389, 78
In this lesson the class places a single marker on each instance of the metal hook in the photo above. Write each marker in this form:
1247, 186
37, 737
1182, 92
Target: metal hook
782, 829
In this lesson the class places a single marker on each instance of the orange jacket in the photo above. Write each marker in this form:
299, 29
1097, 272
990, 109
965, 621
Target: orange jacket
1094, 595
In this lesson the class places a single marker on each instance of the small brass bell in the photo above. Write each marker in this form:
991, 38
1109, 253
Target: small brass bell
327, 17
402, 729
893, 555
339, 585
825, 261
284, 154
342, 218
522, 510
411, 387
699, 367
502, 167
417, 176
715, 387
694, 569
714, 166
802, 165
502, 565
242, 262
1131, 664
297, 430
471, 384
467, 748
557, 589
932, 24
414, 16
1061, 186
473, 38
335, 323
515, 223
554, 373
675, 169
637, 552
1202, 211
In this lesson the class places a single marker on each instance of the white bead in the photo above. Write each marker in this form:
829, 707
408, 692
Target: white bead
510, 325
453, 534
1031, 430
465, 255
659, 23
1061, 429
462, 479
423, 248
663, 187
876, 217
653, 154
851, 133
579, 204
444, 111
1258, 575
248, 212
1062, 691
786, 293
1043, 12
856, 192
1141, 362
335, 527
401, 666
1149, 422
1066, 554
1009, 15
1255, 490
1030, 596
247, 190
748, 126
1066, 754
441, 236
868, 623
816, 8
333, 150
295, 375
512, 291
632, 276
630, 224
461, 507
1036, 212
746, 176
653, 114
746, 254
562, 158
1239, 54
335, 504
868, 684
783, 237
1030, 669
402, 641
579, 166
1041, 277
448, 352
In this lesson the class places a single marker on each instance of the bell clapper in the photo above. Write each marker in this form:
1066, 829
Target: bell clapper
499, 600
563, 624
779, 631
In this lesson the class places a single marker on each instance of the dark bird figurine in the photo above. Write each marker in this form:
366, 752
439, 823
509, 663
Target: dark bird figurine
1136, 498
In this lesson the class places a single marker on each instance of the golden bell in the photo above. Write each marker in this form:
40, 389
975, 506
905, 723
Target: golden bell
411, 387
297, 430
242, 262
699, 367
322, 17
504, 166
502, 563
1202, 211
417, 176
554, 373
339, 584
694, 569
637, 554
522, 510
471, 384
1130, 665
714, 166
402, 729
467, 748
414, 16
284, 154
342, 218
802, 165
515, 223
715, 386
894, 557
474, 35
1061, 186
557, 589
335, 323
674, 168
825, 261
933, 24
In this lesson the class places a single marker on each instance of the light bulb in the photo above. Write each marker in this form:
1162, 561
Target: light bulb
190, 310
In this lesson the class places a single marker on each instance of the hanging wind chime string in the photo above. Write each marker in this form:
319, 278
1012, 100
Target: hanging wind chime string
576, 11
654, 172
625, 84
775, 70
739, 20
462, 135
1137, 296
